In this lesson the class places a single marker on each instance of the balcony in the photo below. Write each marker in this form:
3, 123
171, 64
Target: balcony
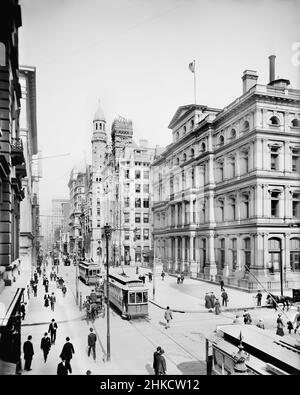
17, 156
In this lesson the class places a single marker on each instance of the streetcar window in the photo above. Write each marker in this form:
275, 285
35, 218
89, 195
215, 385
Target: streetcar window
145, 296
139, 298
132, 297
91, 272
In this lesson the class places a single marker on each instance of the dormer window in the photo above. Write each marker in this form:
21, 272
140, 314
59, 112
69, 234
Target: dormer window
192, 153
246, 126
177, 161
203, 147
184, 130
184, 157
295, 123
192, 124
274, 121
221, 140
232, 134
177, 136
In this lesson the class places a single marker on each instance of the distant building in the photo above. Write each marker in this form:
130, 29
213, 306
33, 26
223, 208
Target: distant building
227, 190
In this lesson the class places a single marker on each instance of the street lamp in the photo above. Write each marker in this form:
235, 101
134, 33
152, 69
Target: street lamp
107, 233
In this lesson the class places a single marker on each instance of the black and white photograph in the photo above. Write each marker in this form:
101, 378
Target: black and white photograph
149, 190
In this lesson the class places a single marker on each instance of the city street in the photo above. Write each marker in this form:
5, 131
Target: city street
132, 342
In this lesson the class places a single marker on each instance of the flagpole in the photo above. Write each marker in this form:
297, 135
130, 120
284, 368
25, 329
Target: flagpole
195, 81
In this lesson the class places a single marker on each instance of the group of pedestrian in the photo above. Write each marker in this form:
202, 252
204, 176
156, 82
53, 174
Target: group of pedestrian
159, 362
180, 278
290, 325
211, 302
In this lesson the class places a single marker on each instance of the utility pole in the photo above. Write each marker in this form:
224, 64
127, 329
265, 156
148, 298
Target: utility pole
107, 232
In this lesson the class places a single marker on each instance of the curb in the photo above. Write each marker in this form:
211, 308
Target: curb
207, 311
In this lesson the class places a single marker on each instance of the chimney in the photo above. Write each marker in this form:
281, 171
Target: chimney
272, 67
249, 79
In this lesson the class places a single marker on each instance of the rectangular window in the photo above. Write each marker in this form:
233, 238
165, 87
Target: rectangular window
98, 224
137, 202
98, 211
274, 158
126, 217
127, 235
137, 174
146, 188
126, 188
146, 203
138, 235
137, 188
146, 218
127, 174
137, 217
126, 202
146, 234
146, 175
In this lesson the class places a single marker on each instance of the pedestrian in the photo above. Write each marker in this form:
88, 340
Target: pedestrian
28, 353
224, 298
222, 285
34, 287
182, 277
150, 277
51, 276
280, 326
143, 278
52, 330
23, 310
155, 360
35, 275
67, 353
297, 319
137, 270
45, 345
212, 298
217, 307
258, 297
260, 324
163, 275
28, 292
289, 326
247, 318
161, 363
92, 338
88, 373
46, 300
61, 368
168, 317
52, 301
64, 290
46, 285
208, 301
178, 278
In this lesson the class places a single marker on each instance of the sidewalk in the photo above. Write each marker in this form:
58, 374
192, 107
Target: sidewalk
189, 296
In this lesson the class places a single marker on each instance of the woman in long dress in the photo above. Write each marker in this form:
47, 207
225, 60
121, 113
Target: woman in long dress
280, 326
217, 307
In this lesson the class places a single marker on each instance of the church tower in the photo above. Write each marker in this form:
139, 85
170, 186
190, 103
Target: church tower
99, 140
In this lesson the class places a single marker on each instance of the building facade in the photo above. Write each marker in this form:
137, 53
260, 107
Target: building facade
226, 191
29, 209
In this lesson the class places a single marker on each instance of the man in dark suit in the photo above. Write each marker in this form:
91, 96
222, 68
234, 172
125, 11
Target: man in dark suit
52, 330
28, 353
45, 345
67, 353
155, 360
61, 368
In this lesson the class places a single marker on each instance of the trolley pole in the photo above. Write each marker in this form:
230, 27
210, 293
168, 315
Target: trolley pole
107, 232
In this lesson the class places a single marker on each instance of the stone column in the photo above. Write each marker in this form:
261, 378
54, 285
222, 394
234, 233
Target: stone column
183, 257
239, 257
211, 269
176, 252
175, 222
266, 252
286, 256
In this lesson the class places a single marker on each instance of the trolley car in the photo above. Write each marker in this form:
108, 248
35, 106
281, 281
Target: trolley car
88, 272
128, 294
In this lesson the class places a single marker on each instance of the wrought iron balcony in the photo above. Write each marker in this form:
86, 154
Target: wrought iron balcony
17, 156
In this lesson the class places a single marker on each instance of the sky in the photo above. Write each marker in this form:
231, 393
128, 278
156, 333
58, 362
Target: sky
133, 56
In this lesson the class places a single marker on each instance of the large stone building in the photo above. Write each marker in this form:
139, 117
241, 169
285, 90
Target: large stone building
227, 190
119, 193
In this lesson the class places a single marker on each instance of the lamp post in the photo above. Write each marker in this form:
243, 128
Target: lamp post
107, 233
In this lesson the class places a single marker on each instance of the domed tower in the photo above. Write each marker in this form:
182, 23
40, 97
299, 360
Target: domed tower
99, 140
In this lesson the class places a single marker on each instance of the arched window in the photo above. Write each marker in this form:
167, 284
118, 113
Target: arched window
184, 130
177, 135
184, 157
2, 54
295, 123
274, 121
274, 261
96, 126
295, 254
232, 134
246, 126
222, 253
202, 147
192, 152
221, 140
192, 124
177, 161
100, 126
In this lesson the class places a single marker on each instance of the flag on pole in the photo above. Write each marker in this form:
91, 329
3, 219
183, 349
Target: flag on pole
192, 66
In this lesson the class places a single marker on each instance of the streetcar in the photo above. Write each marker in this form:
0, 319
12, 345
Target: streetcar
128, 294
88, 272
